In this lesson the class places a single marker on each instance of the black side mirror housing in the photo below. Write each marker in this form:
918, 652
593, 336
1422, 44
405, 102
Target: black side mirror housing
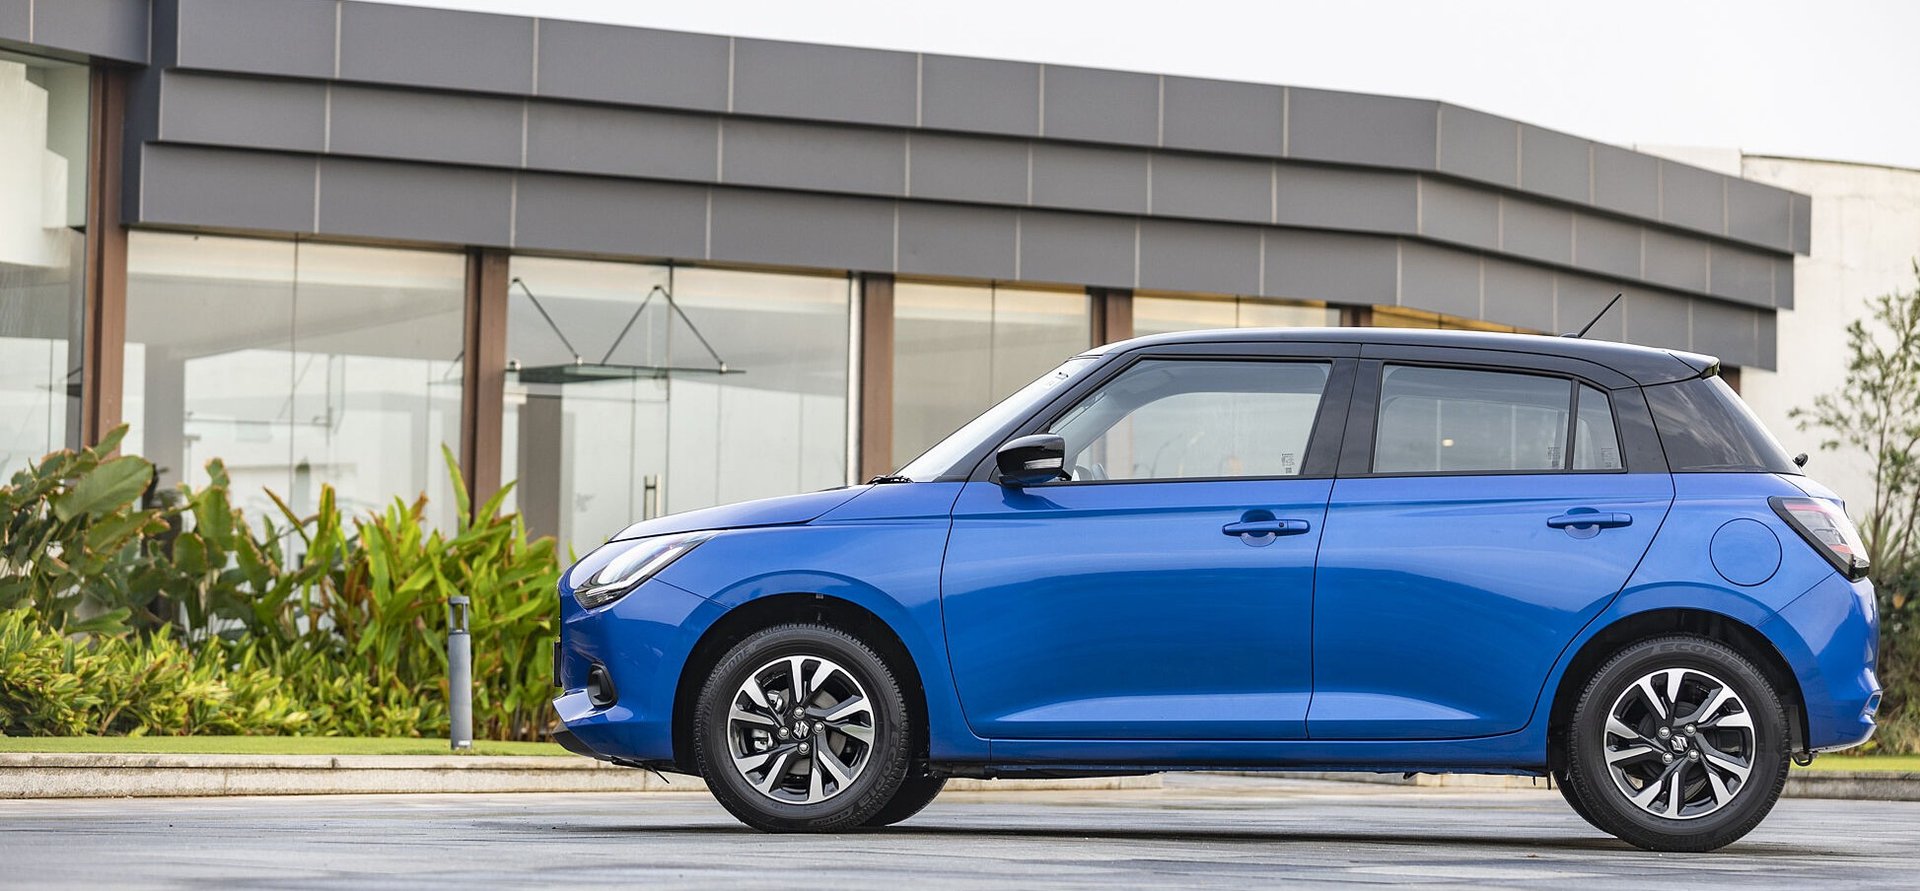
1032, 460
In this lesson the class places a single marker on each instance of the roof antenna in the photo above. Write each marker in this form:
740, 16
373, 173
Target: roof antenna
1596, 318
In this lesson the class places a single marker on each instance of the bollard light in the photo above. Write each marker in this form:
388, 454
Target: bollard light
459, 675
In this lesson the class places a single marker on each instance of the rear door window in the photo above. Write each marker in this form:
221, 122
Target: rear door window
1458, 420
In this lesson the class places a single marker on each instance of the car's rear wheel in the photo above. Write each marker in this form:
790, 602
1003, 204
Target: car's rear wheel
1677, 744
802, 728
1566, 792
916, 792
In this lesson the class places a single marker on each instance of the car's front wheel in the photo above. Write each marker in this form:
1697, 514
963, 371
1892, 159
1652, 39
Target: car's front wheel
1677, 744
802, 728
918, 791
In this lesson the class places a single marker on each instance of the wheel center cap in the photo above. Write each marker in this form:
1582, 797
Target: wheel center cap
1679, 743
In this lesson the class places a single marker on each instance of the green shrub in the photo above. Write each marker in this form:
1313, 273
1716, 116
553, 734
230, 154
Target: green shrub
59, 684
1899, 669
73, 545
181, 615
1876, 410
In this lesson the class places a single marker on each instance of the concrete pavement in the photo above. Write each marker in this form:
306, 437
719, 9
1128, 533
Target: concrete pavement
1197, 832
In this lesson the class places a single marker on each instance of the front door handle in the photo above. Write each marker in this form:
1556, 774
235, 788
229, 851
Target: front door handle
1590, 520
1246, 528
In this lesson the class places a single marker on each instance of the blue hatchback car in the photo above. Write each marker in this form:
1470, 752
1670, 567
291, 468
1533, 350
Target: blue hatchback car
1302, 549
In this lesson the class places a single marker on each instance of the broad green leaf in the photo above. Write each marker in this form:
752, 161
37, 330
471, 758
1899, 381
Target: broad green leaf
107, 488
213, 516
109, 533
109, 622
190, 554
111, 441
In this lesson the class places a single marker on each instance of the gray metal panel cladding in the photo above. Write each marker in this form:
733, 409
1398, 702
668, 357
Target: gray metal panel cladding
438, 126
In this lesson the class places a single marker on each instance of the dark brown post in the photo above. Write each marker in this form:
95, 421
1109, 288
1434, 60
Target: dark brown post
876, 375
484, 361
1356, 316
103, 318
1731, 375
1112, 314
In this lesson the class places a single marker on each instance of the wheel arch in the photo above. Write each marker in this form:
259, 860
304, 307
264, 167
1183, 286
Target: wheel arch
1630, 629
743, 621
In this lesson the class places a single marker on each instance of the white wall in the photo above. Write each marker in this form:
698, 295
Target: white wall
33, 179
1866, 234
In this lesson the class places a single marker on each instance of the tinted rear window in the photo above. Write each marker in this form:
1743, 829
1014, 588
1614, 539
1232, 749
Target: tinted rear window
1704, 427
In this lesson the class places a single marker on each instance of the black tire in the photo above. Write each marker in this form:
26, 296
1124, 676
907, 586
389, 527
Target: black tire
878, 778
916, 792
1596, 794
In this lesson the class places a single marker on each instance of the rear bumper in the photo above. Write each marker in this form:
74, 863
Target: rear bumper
1831, 636
641, 642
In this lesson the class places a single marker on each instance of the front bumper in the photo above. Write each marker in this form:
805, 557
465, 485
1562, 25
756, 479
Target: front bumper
640, 642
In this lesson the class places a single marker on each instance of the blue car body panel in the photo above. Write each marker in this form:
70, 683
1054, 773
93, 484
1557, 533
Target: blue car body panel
642, 640
1408, 623
1123, 611
785, 510
1459, 581
880, 550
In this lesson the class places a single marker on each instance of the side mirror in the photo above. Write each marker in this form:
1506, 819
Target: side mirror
1032, 460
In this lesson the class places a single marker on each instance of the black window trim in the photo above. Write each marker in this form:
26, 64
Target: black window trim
1356, 458
1321, 461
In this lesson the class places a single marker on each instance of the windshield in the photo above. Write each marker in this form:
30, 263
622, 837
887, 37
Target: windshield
951, 450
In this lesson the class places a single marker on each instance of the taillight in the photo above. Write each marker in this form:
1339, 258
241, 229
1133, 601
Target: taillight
1826, 527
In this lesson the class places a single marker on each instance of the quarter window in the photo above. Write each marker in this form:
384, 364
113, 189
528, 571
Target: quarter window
1195, 419
1452, 420
1596, 443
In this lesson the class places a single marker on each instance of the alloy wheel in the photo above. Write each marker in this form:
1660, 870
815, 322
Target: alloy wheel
1679, 743
800, 729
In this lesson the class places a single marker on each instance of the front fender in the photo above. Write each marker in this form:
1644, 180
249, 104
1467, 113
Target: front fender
888, 565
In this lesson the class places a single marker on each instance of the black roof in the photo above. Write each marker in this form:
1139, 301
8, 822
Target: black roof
1646, 365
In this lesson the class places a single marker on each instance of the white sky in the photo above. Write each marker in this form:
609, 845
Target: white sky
1833, 79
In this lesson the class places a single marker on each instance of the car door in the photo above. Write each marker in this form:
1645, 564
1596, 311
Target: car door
1484, 514
1165, 590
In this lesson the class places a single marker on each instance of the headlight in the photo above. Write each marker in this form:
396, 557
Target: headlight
617, 567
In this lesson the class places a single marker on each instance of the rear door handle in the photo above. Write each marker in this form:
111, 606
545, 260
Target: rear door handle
1593, 519
1267, 527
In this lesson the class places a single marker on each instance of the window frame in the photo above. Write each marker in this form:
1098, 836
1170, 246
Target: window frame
1362, 441
1319, 462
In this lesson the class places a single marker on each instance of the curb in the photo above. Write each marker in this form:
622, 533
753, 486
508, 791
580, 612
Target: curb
1855, 785
32, 775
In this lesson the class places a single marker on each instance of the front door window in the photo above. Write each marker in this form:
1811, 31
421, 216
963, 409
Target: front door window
1168, 419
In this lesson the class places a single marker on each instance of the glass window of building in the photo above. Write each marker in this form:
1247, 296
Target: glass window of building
623, 406
296, 364
43, 189
1163, 313
958, 349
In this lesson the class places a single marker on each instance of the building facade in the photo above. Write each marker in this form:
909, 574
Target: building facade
642, 271
1866, 241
